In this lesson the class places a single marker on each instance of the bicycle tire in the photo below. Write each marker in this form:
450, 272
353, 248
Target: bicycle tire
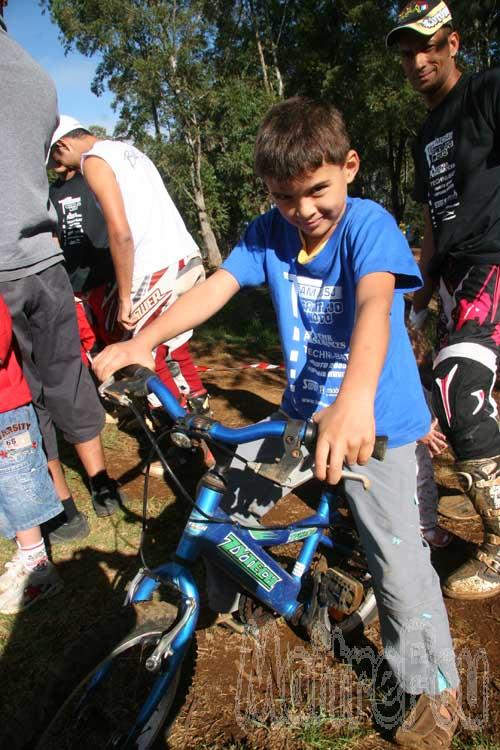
106, 717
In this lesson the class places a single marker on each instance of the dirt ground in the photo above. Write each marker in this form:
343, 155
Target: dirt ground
278, 691
242, 692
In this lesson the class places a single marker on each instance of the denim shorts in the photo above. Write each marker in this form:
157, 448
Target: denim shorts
27, 494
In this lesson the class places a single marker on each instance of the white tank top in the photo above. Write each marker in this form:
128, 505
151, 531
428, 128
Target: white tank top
159, 233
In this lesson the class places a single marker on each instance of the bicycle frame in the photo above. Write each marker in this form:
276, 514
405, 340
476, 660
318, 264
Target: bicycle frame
239, 551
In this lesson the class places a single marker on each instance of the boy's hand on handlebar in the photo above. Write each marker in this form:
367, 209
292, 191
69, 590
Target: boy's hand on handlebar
113, 357
346, 434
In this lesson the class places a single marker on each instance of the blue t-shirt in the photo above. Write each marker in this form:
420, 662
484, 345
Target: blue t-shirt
315, 307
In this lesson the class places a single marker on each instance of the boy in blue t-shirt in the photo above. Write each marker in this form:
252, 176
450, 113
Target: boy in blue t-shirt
337, 268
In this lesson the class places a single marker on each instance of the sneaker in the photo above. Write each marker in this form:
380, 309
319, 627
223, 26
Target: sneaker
70, 531
28, 587
431, 723
107, 499
457, 507
12, 568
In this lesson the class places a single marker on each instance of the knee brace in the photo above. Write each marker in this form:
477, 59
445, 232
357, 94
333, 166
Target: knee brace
463, 380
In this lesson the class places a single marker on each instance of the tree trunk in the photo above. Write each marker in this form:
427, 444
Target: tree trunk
396, 159
213, 253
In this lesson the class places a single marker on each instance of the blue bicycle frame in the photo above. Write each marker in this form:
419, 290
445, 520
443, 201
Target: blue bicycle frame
240, 551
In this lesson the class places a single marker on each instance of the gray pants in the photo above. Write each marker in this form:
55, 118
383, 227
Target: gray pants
44, 322
413, 618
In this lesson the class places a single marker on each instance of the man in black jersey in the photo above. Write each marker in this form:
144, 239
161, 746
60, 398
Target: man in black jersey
457, 178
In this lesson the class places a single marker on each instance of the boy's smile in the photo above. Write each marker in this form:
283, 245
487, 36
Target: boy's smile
315, 201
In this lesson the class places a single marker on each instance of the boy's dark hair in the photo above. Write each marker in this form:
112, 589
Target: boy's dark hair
77, 133
297, 136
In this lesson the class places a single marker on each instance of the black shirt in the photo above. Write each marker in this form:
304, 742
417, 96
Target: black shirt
457, 170
82, 234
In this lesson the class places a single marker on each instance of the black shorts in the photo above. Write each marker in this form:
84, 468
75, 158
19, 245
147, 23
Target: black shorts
44, 322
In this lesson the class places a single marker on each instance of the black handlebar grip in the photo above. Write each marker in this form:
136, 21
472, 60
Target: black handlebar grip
134, 372
311, 434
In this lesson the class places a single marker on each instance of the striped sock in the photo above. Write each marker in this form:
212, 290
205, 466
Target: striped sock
34, 556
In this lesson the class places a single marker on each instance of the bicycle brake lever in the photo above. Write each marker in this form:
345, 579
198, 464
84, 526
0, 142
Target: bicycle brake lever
114, 390
355, 477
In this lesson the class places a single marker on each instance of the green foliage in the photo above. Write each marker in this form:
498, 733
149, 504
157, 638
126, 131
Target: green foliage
192, 79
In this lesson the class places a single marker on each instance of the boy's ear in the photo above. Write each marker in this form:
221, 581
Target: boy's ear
351, 165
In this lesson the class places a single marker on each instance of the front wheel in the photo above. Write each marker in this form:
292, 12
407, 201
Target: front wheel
100, 708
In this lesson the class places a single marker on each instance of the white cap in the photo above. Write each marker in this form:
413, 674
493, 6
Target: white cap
66, 125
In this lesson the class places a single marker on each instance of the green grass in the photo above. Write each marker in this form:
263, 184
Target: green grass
246, 324
320, 733
474, 742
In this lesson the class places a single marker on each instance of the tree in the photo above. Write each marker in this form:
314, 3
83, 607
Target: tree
479, 24
156, 61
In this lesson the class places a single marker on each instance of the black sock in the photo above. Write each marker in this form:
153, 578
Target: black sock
99, 480
70, 509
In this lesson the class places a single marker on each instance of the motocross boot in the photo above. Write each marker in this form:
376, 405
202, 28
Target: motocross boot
479, 577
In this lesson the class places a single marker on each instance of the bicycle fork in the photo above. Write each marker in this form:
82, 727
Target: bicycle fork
173, 645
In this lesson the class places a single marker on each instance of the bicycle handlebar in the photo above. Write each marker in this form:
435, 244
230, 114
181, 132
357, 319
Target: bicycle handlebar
138, 380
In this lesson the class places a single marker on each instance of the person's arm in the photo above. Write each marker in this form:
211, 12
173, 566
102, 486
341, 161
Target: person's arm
346, 429
422, 297
102, 181
189, 311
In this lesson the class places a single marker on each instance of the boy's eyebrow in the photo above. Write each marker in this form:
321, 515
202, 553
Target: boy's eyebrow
311, 189
321, 184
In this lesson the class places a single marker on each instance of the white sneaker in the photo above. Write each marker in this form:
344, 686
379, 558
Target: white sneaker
13, 567
28, 586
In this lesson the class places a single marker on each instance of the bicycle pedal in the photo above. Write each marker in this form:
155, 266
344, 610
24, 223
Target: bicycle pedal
340, 591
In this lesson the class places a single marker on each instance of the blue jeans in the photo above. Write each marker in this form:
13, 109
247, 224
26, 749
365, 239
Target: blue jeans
27, 495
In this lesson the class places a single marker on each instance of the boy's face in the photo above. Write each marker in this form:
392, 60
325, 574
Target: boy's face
315, 201
67, 152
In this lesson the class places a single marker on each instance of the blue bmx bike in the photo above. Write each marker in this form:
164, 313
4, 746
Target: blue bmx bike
124, 697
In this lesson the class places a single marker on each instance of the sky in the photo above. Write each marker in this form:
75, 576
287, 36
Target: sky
72, 73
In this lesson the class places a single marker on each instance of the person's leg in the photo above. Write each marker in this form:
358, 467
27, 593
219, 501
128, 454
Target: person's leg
88, 339
22, 299
413, 619
164, 372
198, 399
68, 390
27, 499
464, 376
427, 498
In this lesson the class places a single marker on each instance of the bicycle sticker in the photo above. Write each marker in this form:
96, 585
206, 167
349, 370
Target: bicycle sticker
298, 569
194, 528
262, 534
237, 550
296, 536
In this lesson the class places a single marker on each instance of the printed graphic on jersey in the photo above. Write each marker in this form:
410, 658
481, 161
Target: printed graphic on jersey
72, 225
443, 197
318, 358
